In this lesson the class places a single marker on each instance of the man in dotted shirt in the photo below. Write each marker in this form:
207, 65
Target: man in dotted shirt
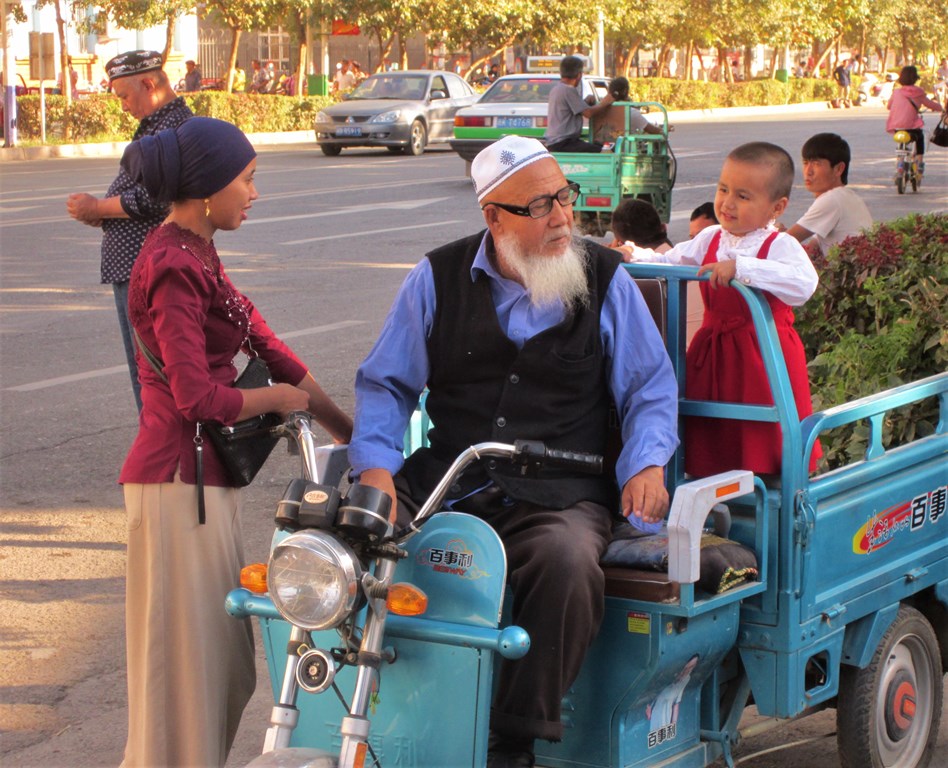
127, 212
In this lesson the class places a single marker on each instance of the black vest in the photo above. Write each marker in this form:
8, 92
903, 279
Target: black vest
482, 388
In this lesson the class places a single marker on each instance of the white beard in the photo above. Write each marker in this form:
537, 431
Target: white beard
549, 279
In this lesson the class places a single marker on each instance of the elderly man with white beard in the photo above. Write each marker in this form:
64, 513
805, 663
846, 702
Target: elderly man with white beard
525, 331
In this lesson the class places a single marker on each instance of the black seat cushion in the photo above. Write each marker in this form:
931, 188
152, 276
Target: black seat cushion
725, 564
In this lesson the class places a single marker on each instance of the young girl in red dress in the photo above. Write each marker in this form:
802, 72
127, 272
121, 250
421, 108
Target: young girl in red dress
723, 362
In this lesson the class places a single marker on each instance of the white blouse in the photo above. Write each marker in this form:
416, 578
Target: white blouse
787, 272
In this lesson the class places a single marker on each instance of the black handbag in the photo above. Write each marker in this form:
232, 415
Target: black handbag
245, 447
939, 135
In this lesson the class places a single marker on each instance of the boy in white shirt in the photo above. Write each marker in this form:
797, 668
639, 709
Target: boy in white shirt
837, 212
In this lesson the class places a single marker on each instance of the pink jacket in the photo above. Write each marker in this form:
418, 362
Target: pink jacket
903, 108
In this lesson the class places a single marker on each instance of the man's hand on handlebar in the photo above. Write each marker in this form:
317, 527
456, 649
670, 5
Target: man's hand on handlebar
644, 495
382, 479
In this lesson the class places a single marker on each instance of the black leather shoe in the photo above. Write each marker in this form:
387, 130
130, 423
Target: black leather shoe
502, 759
506, 752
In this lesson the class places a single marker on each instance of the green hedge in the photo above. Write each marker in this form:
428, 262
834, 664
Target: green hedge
100, 117
697, 94
879, 319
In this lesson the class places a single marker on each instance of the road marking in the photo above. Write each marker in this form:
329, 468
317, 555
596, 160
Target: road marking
60, 380
399, 205
362, 233
359, 209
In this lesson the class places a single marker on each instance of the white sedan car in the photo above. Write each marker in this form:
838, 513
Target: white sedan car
514, 104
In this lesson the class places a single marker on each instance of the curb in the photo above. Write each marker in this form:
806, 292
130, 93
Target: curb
694, 115
115, 149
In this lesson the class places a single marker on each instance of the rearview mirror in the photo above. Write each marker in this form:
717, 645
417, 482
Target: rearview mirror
438, 94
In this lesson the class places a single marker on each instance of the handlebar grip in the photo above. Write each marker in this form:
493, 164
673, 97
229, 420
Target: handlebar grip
590, 463
535, 451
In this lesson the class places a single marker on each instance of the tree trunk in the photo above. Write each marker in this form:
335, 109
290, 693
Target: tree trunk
825, 54
385, 49
484, 59
629, 59
298, 82
232, 59
773, 65
169, 37
724, 67
402, 52
689, 58
66, 70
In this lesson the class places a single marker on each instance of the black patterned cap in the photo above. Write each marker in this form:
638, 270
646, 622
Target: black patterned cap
132, 63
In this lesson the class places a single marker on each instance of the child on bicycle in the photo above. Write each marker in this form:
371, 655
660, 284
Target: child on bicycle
723, 362
903, 112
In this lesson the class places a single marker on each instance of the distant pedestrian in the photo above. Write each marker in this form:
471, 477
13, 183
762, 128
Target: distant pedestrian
192, 80
260, 80
843, 80
239, 80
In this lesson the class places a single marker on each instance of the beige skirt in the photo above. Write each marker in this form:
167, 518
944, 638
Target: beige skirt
190, 665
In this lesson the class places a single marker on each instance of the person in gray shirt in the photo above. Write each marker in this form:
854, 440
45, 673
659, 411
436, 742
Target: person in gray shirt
567, 109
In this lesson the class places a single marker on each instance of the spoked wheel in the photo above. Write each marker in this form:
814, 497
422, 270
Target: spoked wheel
888, 713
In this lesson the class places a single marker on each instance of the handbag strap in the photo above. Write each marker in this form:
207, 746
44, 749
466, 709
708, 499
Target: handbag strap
159, 368
150, 356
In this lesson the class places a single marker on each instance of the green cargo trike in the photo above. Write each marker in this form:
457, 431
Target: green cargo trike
639, 165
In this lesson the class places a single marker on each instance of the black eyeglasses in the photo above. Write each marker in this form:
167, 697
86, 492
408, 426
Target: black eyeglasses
542, 206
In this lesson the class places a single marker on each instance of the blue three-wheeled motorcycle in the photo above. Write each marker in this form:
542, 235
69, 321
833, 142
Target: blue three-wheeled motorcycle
832, 591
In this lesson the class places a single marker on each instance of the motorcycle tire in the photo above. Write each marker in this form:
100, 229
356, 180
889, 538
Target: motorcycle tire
900, 183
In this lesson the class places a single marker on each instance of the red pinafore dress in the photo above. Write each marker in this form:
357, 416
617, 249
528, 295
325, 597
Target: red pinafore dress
724, 364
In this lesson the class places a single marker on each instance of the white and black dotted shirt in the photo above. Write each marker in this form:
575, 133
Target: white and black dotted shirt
122, 238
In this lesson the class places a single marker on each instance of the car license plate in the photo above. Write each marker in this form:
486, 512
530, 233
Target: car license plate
515, 122
349, 130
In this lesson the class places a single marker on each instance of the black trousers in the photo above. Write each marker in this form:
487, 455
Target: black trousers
575, 145
558, 597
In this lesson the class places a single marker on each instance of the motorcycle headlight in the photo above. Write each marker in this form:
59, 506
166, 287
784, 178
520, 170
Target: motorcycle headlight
386, 117
313, 579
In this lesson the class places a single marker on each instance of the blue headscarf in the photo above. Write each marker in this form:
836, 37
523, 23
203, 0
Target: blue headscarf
193, 161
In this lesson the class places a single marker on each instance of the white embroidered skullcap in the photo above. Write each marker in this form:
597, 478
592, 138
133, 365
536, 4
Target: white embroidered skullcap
499, 161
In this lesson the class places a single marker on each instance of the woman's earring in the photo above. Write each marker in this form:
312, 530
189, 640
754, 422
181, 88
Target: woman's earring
207, 207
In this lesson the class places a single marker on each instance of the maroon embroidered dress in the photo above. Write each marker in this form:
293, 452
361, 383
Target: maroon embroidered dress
724, 364
189, 314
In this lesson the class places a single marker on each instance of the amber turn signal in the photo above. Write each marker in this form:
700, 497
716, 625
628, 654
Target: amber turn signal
254, 578
406, 600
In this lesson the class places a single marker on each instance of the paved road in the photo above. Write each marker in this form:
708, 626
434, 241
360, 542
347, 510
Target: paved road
322, 255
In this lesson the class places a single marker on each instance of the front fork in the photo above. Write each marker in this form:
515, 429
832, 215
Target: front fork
284, 715
901, 161
355, 726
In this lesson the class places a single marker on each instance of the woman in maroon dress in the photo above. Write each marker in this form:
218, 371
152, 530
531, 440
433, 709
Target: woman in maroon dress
190, 665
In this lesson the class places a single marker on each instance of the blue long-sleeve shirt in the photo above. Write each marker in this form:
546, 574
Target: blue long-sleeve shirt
639, 373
